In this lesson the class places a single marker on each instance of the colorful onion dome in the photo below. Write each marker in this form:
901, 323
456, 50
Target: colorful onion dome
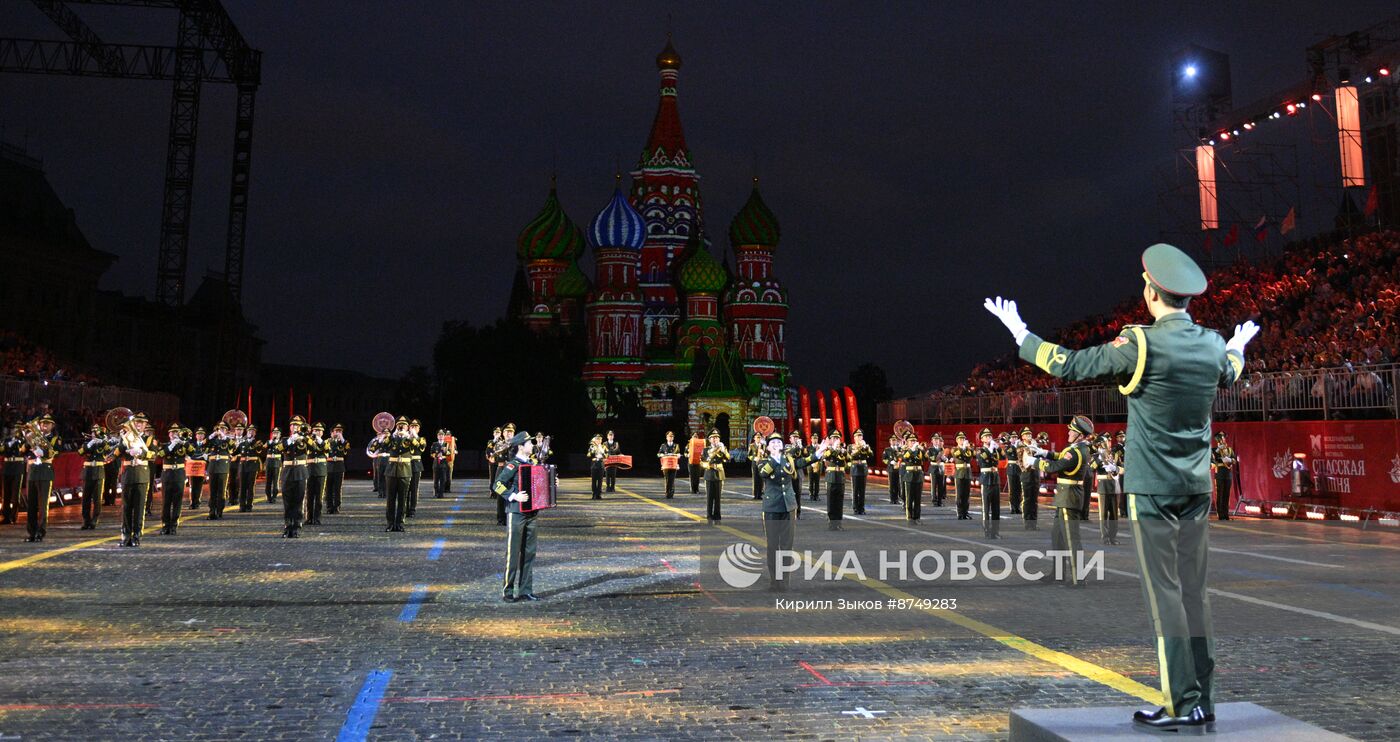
618, 225
571, 284
551, 234
702, 274
754, 224
669, 58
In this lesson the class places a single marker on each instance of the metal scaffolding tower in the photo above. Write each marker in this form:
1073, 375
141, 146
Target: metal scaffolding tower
208, 48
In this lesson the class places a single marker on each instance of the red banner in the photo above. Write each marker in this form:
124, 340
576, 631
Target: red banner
805, 405
852, 413
821, 412
1352, 464
839, 415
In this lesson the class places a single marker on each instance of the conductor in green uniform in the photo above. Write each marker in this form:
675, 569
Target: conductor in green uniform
1171, 370
778, 472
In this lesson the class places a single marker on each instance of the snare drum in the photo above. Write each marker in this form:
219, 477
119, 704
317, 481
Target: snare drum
194, 468
671, 462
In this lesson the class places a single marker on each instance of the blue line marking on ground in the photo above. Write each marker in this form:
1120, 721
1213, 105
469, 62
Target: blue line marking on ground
366, 706
415, 600
436, 551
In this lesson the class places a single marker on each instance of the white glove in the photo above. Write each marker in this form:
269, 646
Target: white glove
1005, 310
1243, 334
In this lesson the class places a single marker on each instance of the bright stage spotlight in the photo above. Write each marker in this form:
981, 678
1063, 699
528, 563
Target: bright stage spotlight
1384, 72
1189, 70
1291, 109
1317, 97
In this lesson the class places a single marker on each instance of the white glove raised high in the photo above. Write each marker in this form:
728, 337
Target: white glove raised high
1243, 334
1005, 310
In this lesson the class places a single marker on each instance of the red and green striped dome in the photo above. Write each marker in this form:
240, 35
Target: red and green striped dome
754, 224
551, 234
571, 284
702, 273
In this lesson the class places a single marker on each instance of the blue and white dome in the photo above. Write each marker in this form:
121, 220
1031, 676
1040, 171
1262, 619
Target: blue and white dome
617, 225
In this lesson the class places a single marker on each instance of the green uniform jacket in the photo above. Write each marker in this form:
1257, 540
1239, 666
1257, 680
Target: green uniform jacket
1171, 370
316, 457
295, 450
98, 449
989, 462
1069, 470
172, 455
962, 457
336, 450
778, 493
713, 461
400, 448
508, 483
859, 457
140, 474
217, 451
41, 470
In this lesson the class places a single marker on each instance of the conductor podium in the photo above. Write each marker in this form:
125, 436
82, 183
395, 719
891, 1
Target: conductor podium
540, 482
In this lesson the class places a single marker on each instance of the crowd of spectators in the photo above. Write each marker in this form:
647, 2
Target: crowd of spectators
1325, 303
28, 361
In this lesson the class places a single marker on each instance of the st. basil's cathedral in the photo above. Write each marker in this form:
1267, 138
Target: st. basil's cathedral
668, 327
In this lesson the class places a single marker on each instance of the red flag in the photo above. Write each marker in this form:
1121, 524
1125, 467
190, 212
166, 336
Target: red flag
1261, 230
1232, 236
1289, 223
838, 414
1373, 201
1209, 242
805, 405
852, 414
821, 413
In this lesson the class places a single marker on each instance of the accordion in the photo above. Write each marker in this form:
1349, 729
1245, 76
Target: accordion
540, 483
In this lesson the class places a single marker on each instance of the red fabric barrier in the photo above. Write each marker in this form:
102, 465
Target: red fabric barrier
1355, 464
67, 471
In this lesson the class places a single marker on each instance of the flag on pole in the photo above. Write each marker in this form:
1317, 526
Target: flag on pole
1373, 201
1209, 241
1261, 230
1289, 223
1232, 236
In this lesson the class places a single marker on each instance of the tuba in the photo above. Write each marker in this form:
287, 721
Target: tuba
382, 423
115, 418
235, 418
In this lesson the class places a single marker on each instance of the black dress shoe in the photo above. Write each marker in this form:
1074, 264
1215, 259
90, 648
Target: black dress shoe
507, 599
529, 596
30, 539
1196, 722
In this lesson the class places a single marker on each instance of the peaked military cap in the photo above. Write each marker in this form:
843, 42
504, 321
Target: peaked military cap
714, 434
404, 422
1027, 431
298, 420
275, 429
960, 436
96, 427
1083, 424
1173, 271
835, 434
140, 417
985, 432
774, 436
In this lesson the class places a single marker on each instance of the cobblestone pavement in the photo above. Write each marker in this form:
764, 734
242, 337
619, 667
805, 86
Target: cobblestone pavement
227, 631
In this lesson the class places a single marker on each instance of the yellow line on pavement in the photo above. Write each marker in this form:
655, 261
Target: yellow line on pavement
60, 551
1083, 668
1312, 539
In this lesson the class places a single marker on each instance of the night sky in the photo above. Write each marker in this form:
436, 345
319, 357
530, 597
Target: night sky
919, 156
